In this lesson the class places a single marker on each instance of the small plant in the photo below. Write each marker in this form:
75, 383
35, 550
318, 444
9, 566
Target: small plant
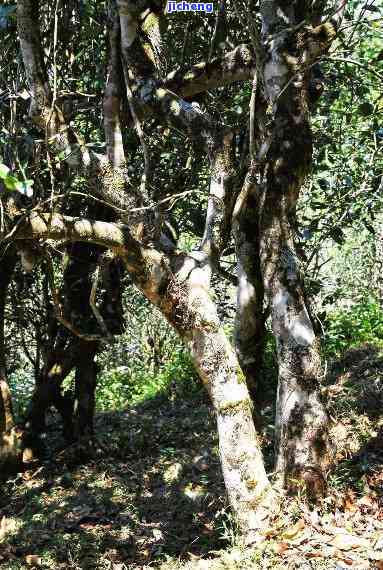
346, 328
227, 526
124, 386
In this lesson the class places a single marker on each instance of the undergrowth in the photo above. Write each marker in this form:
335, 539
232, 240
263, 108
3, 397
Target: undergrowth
349, 327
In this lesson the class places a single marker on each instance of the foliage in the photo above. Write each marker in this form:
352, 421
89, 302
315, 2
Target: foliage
125, 386
147, 374
349, 327
21, 388
340, 207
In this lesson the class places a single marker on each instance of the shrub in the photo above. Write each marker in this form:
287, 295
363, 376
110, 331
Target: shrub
345, 328
123, 386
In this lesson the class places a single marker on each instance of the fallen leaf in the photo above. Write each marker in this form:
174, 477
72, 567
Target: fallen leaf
349, 502
346, 541
347, 561
294, 530
315, 554
33, 560
280, 547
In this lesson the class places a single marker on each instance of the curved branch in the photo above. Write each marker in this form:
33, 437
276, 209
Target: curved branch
236, 65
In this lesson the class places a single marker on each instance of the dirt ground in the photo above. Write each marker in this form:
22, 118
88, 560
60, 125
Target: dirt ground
152, 496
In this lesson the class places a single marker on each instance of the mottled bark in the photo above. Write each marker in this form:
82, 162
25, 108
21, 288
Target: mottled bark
190, 309
303, 449
236, 65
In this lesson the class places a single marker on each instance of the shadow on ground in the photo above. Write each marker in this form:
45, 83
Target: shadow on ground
154, 490
356, 406
155, 487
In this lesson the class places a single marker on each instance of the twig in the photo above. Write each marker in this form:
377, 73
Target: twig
364, 65
92, 298
59, 310
145, 178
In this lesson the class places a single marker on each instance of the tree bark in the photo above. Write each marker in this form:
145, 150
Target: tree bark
303, 449
85, 388
9, 442
250, 331
242, 464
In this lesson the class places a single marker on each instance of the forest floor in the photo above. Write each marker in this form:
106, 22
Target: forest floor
153, 495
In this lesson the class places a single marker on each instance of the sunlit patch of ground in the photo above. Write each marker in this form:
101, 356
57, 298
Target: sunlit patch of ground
153, 497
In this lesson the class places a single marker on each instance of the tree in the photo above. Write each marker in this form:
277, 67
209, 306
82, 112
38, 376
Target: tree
9, 444
258, 195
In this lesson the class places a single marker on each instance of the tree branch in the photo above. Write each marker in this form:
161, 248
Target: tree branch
236, 65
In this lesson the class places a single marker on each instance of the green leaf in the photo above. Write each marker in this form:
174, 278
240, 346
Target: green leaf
4, 170
10, 182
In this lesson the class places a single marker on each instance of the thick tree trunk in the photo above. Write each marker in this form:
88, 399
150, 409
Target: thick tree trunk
303, 450
191, 310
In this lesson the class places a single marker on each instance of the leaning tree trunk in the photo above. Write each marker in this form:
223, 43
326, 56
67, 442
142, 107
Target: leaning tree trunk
242, 464
9, 443
189, 307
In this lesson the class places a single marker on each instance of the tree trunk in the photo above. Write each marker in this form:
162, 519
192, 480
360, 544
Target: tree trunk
85, 380
250, 318
66, 351
303, 449
378, 265
190, 309
9, 442
61, 359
